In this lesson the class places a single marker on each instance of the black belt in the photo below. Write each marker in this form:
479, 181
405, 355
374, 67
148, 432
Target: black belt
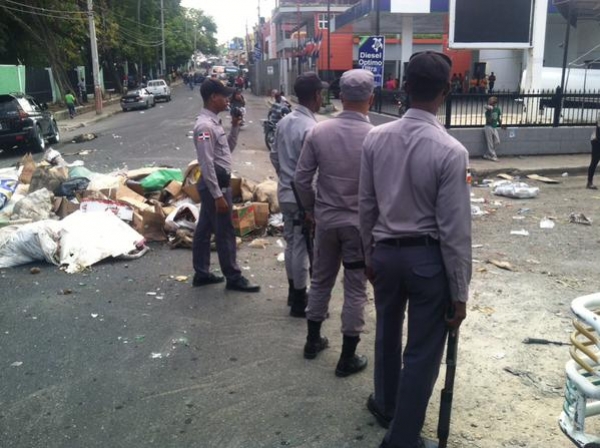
425, 240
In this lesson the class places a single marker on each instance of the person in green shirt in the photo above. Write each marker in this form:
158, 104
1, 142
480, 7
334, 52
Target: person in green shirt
493, 120
70, 100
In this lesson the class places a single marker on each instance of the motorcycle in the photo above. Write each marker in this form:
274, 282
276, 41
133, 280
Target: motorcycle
401, 103
269, 131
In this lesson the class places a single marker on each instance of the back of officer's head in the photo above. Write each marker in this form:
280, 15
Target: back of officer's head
357, 85
213, 86
307, 85
427, 75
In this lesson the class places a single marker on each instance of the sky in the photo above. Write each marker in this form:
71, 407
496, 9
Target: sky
231, 16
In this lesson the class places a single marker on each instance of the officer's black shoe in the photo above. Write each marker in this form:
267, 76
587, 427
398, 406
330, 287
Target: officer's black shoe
349, 366
290, 298
312, 348
383, 420
210, 280
242, 284
299, 300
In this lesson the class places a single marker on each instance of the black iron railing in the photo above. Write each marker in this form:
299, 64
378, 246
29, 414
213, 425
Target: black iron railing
519, 109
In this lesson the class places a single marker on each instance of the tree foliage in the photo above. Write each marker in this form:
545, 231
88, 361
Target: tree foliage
55, 33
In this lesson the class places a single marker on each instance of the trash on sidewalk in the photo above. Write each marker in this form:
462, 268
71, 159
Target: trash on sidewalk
521, 232
544, 179
580, 218
267, 192
281, 257
84, 137
546, 223
259, 243
477, 211
516, 190
501, 264
505, 176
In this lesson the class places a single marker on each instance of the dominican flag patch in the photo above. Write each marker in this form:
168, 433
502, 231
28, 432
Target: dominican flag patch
204, 136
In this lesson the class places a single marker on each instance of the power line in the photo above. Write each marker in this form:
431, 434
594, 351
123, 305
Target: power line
119, 16
41, 14
46, 10
138, 37
138, 42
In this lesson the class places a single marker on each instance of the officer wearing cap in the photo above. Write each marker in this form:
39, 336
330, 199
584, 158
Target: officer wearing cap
334, 148
289, 137
415, 220
213, 149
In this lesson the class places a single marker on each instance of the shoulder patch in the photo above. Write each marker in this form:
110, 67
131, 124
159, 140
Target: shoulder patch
203, 136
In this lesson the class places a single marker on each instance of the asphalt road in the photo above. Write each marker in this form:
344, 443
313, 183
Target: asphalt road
93, 360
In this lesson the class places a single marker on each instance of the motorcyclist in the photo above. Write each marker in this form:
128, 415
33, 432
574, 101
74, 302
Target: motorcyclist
279, 109
237, 102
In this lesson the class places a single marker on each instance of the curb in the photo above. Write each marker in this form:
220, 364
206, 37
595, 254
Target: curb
69, 128
553, 171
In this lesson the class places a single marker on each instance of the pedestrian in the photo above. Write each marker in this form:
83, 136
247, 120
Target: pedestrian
213, 148
82, 91
493, 120
70, 101
595, 155
289, 136
491, 82
415, 221
334, 148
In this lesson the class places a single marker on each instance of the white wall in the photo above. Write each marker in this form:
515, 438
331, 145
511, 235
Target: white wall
506, 65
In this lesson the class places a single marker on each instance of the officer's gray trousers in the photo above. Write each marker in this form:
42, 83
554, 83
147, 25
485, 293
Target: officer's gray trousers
221, 225
404, 380
296, 254
332, 248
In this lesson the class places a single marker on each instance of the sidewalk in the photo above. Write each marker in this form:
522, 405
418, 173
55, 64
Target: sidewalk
86, 115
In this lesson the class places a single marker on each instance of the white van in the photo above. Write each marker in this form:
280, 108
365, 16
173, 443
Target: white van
160, 89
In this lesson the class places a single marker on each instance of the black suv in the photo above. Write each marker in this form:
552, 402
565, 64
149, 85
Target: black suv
24, 122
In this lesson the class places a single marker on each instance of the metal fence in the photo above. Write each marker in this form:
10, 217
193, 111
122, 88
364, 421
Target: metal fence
519, 109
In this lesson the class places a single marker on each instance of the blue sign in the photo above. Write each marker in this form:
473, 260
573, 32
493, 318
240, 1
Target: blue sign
257, 52
371, 56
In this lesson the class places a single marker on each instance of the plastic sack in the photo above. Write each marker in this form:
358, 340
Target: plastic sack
87, 238
157, 180
185, 216
36, 206
49, 178
267, 192
7, 188
517, 190
31, 242
69, 187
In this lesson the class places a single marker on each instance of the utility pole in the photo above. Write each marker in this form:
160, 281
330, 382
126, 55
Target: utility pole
329, 40
95, 65
139, 27
162, 30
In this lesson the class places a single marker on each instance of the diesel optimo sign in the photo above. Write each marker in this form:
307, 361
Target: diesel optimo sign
371, 56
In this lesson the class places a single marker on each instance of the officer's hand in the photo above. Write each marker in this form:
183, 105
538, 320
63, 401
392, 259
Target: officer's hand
236, 121
222, 206
456, 314
370, 274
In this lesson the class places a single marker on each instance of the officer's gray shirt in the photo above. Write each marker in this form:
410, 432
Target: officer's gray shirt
289, 138
213, 147
413, 182
334, 147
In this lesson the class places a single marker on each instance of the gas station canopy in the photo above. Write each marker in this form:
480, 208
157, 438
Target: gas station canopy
579, 10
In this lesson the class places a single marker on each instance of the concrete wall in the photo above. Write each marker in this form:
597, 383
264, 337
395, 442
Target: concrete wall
12, 78
528, 141
507, 65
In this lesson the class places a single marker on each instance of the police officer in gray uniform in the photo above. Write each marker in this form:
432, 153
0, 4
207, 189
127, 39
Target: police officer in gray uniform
289, 137
334, 148
213, 149
415, 220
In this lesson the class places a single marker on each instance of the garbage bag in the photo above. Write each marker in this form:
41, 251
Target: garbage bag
185, 216
69, 187
88, 238
49, 178
7, 189
30, 242
517, 190
36, 206
267, 192
157, 180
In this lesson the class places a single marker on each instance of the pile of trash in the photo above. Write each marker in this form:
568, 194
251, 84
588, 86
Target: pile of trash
70, 216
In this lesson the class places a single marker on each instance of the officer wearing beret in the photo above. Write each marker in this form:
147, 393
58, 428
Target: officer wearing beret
213, 149
334, 148
289, 138
415, 220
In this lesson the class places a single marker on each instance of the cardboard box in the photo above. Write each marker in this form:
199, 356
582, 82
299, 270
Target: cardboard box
190, 179
174, 188
63, 207
236, 188
261, 214
192, 192
243, 219
150, 223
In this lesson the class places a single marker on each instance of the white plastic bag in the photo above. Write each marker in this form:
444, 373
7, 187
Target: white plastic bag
517, 190
185, 216
31, 242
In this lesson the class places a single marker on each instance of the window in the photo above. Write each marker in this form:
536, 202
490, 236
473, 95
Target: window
322, 22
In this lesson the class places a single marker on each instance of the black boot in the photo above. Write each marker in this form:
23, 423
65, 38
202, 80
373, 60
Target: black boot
314, 342
290, 292
350, 362
299, 300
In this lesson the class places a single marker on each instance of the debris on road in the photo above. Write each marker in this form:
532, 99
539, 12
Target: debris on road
521, 232
546, 223
259, 243
543, 341
84, 138
501, 264
515, 190
544, 179
580, 218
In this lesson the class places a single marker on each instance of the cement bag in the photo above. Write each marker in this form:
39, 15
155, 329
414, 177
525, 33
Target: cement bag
36, 206
516, 190
267, 192
31, 242
248, 189
87, 238
185, 216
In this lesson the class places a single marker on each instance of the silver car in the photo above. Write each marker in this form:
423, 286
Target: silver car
137, 99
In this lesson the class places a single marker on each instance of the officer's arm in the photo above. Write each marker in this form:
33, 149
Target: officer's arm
305, 173
204, 140
274, 155
368, 210
453, 216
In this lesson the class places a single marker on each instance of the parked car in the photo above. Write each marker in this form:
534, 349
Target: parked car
160, 89
137, 99
25, 123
